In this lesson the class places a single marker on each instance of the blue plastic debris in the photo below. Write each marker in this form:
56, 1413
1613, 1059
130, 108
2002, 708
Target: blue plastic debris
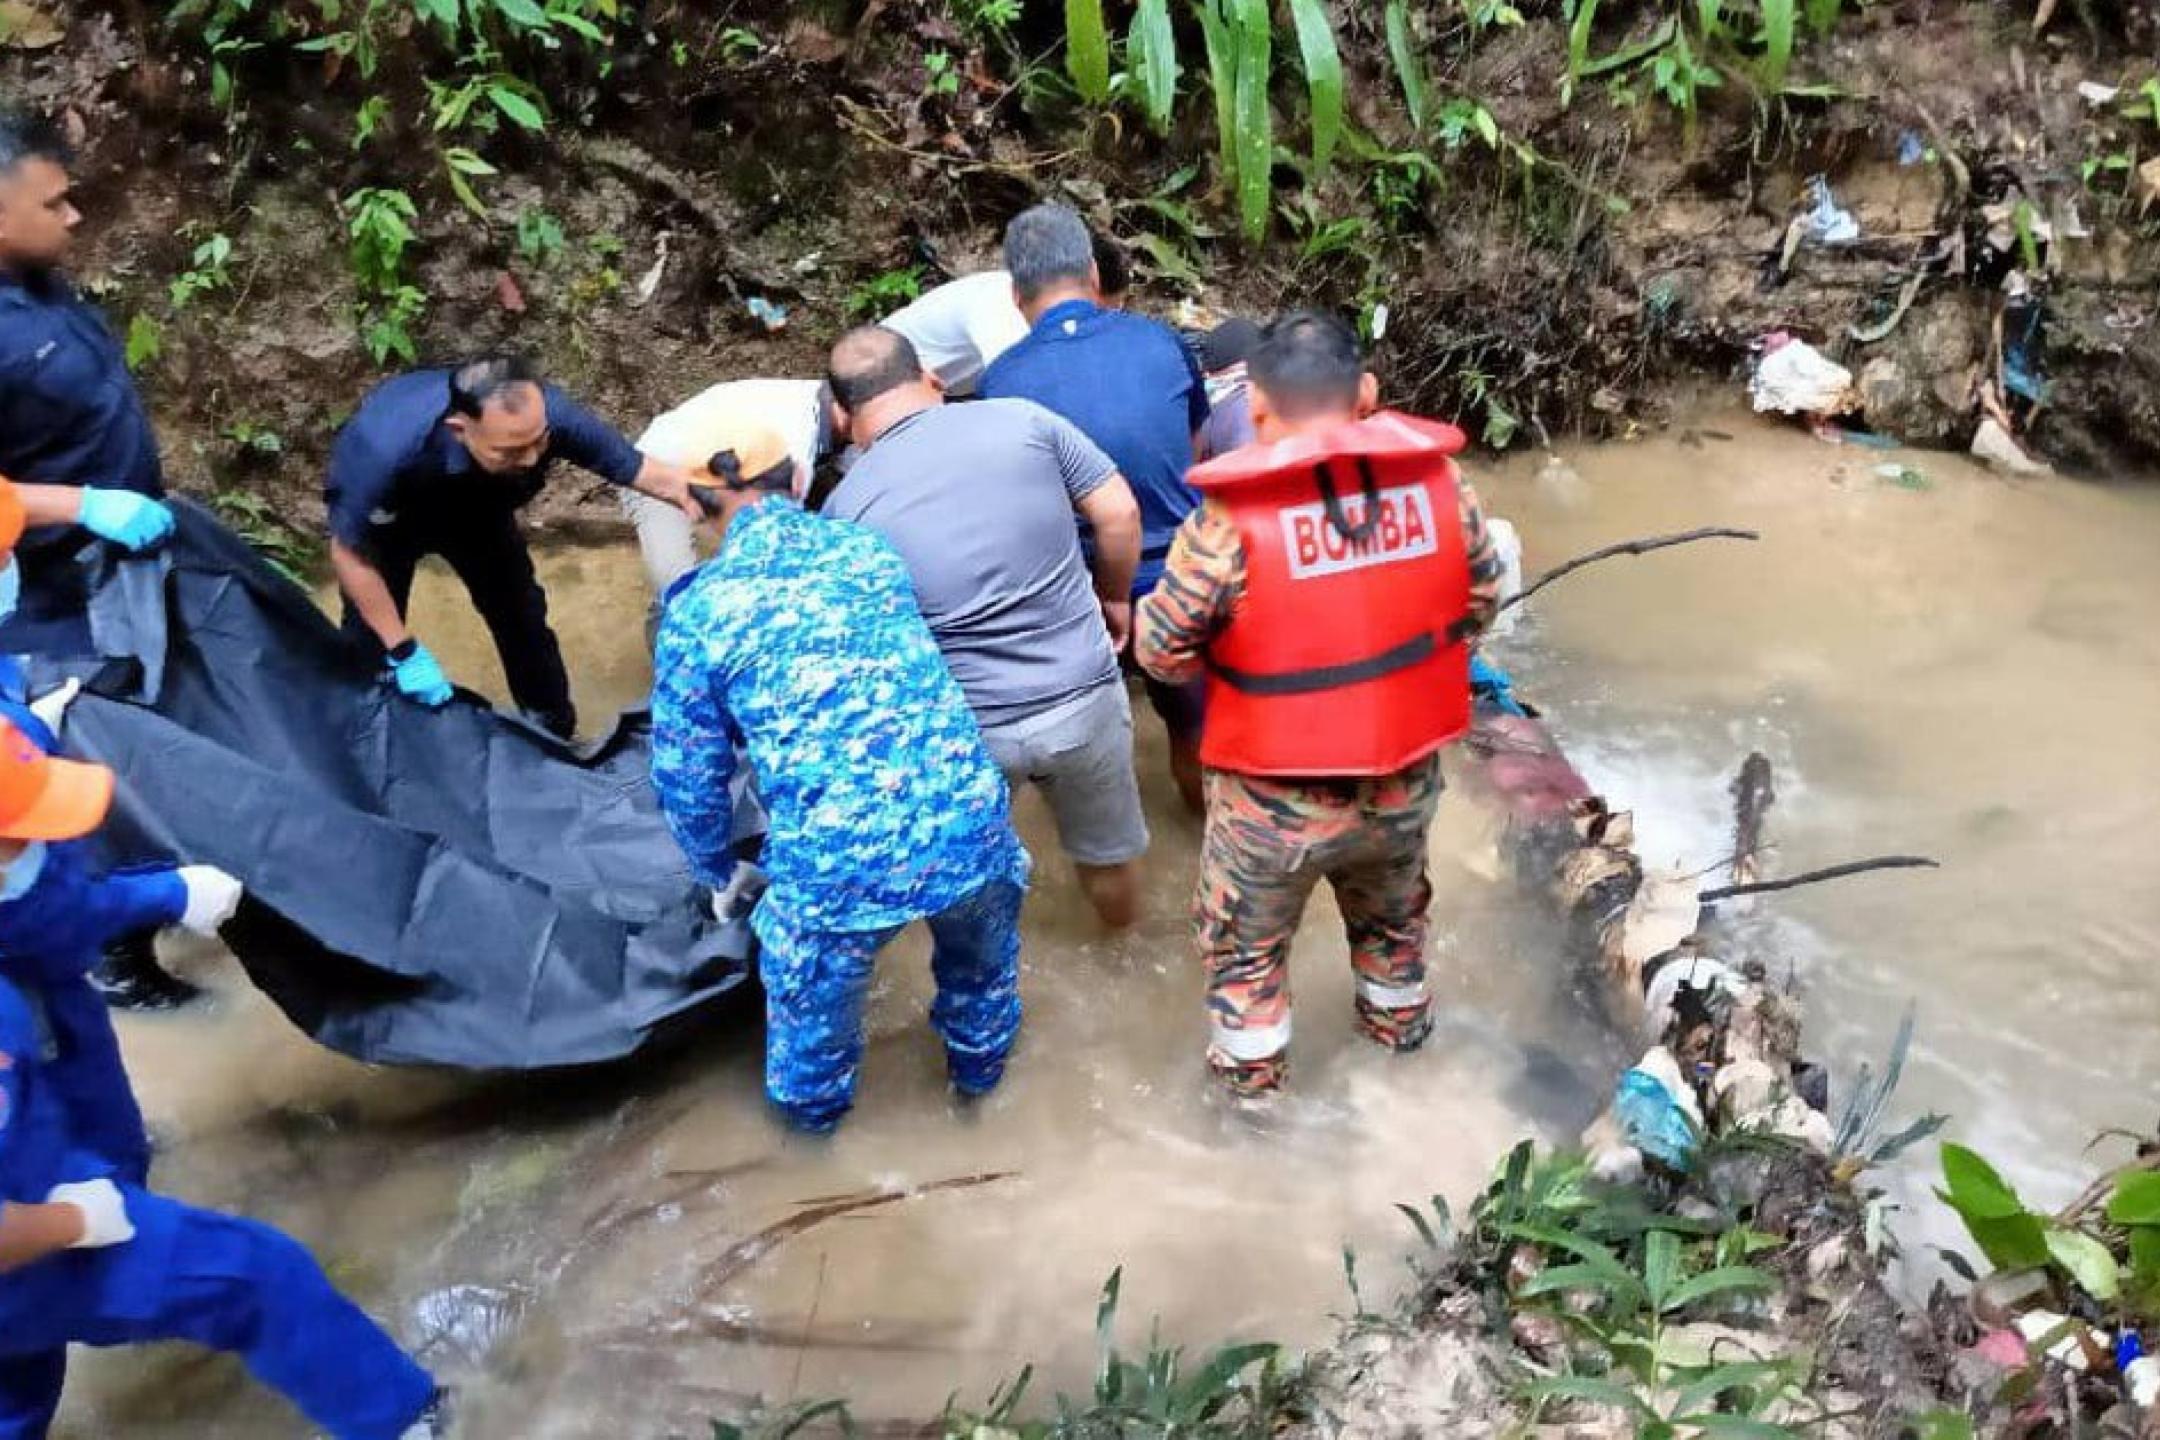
1490, 685
1911, 149
768, 314
2021, 360
2128, 1348
1654, 1121
1828, 222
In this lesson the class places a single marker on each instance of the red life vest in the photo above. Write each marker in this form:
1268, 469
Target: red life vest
1342, 657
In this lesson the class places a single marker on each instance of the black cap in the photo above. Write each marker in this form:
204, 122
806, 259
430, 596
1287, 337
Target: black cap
1228, 344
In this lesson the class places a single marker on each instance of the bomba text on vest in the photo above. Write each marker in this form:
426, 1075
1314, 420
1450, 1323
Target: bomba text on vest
1403, 529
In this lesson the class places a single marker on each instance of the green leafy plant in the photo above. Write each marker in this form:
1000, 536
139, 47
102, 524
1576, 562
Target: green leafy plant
251, 517
1460, 119
1152, 62
1490, 14
1087, 50
1233, 1393
461, 166
2015, 1238
990, 17
252, 440
368, 119
739, 45
884, 293
145, 341
209, 269
940, 77
380, 223
539, 236
1323, 77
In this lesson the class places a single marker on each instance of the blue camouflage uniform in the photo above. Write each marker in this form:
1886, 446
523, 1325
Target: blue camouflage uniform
802, 642
217, 1280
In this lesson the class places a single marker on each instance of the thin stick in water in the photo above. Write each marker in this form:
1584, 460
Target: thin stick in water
1834, 872
1628, 547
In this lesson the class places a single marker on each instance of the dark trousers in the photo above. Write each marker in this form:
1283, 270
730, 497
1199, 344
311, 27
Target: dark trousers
486, 550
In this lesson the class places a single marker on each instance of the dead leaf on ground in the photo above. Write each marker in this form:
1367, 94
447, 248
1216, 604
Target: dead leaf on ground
30, 25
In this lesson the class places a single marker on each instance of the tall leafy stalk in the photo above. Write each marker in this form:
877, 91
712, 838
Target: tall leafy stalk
1151, 55
1777, 36
1087, 50
1240, 45
1216, 35
1582, 14
1254, 35
1323, 77
1409, 66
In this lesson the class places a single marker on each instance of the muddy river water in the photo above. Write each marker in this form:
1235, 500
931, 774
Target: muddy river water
1958, 665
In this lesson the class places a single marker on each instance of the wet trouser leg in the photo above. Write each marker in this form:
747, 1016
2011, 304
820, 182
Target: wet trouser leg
1255, 877
91, 1081
815, 981
490, 556
1383, 899
226, 1283
30, 1386
1384, 895
976, 959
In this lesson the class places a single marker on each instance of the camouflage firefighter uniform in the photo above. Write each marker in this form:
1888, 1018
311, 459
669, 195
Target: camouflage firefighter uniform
1270, 840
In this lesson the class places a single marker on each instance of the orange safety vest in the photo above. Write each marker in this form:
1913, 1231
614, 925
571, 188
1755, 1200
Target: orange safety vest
1343, 658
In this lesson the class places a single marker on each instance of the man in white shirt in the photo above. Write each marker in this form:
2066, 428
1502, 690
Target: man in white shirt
793, 409
961, 326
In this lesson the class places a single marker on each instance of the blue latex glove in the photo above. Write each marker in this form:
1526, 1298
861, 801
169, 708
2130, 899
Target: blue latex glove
135, 522
420, 678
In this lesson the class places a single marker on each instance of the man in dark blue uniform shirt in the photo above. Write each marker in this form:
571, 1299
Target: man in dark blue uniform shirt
74, 435
438, 462
1132, 387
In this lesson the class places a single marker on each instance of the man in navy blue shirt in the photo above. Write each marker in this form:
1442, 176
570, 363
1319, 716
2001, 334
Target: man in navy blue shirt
1132, 387
69, 415
438, 462
73, 433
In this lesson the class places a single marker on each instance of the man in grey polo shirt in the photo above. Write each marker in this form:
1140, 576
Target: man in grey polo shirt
979, 501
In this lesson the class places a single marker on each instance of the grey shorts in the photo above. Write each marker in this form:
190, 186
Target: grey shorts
1081, 755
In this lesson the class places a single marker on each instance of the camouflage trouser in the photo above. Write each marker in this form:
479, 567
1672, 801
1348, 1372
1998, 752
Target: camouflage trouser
815, 981
1268, 843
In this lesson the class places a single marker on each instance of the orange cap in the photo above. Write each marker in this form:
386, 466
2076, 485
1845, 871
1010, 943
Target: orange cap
11, 515
46, 799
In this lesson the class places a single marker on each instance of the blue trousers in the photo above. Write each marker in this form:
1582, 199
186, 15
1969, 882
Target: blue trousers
90, 1080
219, 1281
815, 981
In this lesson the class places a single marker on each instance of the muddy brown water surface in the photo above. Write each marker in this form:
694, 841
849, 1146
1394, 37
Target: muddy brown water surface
1965, 669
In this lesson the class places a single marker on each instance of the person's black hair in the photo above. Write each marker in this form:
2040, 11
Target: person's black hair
1308, 363
25, 134
1112, 268
778, 478
1045, 247
869, 361
490, 377
1230, 343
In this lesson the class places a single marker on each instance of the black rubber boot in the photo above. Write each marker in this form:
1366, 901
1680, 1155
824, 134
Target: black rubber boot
130, 978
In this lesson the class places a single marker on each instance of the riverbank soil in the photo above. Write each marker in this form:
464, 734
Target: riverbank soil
1558, 275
